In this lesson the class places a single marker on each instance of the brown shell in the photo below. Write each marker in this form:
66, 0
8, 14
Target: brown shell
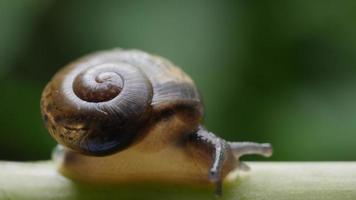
102, 102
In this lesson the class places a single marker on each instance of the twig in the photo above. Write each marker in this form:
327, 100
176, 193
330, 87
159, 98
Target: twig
267, 180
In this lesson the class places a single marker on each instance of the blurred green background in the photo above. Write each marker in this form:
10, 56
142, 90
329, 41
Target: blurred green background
270, 71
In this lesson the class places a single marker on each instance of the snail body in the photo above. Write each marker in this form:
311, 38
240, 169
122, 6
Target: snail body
128, 116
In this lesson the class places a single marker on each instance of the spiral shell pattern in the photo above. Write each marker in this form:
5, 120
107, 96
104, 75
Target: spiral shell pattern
97, 104
95, 108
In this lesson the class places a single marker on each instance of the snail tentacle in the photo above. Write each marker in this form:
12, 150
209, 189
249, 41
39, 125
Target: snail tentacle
247, 148
219, 152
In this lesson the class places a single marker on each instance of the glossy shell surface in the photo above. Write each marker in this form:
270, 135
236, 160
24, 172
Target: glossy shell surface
101, 103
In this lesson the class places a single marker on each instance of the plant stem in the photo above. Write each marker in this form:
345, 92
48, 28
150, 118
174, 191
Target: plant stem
266, 180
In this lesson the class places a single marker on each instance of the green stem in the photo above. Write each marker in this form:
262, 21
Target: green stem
267, 180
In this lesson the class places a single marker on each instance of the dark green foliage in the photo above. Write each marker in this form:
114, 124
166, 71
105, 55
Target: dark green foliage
281, 72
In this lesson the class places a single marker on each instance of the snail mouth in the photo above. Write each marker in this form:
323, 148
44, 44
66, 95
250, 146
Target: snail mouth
97, 85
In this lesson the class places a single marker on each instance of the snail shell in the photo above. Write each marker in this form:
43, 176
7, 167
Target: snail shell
101, 103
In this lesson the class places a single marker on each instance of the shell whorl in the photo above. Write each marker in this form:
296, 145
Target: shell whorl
98, 84
96, 108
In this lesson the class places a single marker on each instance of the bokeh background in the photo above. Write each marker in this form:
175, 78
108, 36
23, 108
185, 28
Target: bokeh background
270, 71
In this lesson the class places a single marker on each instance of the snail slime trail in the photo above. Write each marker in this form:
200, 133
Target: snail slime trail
129, 116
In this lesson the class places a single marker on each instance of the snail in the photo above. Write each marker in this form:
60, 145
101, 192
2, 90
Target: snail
126, 116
